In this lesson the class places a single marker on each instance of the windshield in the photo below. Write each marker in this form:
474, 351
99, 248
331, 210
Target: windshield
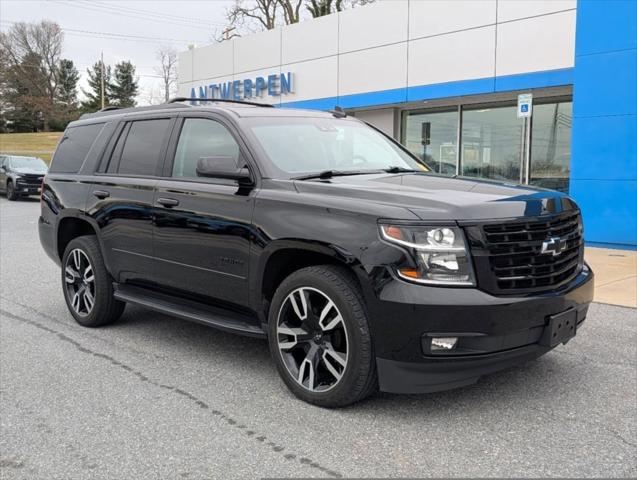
299, 146
28, 162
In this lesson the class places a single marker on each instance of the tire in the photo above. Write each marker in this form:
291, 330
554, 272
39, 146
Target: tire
322, 351
94, 304
12, 195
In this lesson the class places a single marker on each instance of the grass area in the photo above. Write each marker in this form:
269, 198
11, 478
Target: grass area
39, 145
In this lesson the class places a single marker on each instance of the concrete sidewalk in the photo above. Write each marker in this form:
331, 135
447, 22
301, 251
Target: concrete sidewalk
615, 275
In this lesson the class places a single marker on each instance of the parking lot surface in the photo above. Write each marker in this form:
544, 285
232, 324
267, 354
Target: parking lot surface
156, 397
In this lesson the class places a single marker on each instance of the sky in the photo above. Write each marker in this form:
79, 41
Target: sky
123, 30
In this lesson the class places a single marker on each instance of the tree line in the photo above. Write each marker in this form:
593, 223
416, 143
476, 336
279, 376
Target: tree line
39, 88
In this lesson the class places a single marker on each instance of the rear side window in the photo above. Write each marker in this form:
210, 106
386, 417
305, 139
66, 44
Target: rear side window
73, 148
142, 148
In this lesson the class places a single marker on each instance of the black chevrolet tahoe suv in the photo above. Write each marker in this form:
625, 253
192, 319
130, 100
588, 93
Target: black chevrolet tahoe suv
318, 232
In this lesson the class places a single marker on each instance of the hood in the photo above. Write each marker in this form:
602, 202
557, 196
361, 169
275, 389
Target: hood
28, 171
435, 197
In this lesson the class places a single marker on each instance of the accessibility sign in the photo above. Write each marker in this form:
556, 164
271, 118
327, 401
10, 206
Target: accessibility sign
525, 105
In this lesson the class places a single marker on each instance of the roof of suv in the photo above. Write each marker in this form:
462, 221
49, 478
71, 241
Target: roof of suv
240, 109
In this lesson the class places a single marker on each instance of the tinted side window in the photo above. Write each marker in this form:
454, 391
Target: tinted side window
143, 148
201, 137
74, 147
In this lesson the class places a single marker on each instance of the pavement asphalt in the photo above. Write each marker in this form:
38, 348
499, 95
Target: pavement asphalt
154, 397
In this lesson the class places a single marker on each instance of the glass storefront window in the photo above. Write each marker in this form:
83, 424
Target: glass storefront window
433, 137
551, 145
493, 143
492, 140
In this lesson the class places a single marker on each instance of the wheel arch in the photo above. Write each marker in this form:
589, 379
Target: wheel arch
70, 227
284, 257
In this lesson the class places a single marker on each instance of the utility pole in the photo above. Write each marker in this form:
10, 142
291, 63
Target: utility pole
102, 75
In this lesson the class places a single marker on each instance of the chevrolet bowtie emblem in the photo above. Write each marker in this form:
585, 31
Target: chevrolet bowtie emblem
554, 246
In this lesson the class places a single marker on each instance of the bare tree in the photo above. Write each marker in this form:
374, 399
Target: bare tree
291, 10
167, 57
262, 13
250, 16
152, 95
32, 51
319, 8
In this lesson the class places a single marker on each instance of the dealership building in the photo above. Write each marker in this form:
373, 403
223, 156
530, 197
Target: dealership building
538, 92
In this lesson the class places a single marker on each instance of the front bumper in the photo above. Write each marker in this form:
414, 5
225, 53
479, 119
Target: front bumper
24, 188
494, 332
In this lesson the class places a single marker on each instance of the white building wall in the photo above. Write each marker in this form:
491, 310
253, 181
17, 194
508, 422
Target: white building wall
383, 119
393, 45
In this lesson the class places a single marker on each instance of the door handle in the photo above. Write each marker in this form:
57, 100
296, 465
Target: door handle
101, 194
168, 202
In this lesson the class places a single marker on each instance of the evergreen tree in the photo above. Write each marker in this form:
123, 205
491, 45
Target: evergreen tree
93, 96
25, 104
68, 77
66, 104
124, 88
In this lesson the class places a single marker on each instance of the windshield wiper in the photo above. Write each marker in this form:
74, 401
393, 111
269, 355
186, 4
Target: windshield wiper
396, 169
325, 174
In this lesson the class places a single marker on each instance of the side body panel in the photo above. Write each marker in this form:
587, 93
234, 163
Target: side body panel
202, 245
124, 223
121, 206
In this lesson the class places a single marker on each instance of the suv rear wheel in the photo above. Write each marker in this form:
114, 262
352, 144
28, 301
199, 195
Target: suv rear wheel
87, 285
319, 337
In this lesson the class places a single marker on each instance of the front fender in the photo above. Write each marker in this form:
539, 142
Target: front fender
296, 247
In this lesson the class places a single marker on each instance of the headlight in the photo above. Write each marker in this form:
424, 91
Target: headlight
440, 253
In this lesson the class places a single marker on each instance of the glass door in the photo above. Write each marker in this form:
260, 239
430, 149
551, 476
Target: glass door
492, 141
551, 145
433, 137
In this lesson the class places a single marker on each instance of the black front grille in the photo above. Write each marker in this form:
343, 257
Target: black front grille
31, 179
511, 260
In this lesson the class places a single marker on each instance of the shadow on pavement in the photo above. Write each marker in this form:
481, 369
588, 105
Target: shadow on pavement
543, 379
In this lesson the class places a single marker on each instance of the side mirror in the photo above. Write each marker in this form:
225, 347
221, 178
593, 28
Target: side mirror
222, 166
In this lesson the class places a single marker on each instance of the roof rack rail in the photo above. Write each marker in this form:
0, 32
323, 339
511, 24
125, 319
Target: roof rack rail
109, 108
221, 100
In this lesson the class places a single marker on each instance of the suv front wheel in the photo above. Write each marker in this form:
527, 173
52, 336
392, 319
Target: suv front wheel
319, 337
11, 191
87, 285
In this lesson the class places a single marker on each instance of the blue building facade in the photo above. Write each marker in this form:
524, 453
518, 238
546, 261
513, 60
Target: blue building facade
604, 158
444, 78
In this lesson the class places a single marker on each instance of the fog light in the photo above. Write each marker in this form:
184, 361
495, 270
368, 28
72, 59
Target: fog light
444, 343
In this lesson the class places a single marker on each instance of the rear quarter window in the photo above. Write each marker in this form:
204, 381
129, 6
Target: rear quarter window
74, 147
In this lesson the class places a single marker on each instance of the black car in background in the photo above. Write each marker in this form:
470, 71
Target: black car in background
318, 232
21, 176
